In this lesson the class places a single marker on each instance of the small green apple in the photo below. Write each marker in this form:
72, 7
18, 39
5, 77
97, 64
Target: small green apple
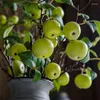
28, 23
58, 11
54, 41
52, 70
15, 49
42, 48
36, 14
3, 19
35, 11
83, 81
51, 29
72, 30
18, 67
63, 79
13, 19
76, 50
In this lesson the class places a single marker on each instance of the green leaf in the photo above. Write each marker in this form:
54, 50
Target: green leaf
18, 1
29, 7
2, 30
48, 6
91, 73
86, 59
56, 86
26, 38
26, 55
14, 7
97, 23
7, 31
60, 20
27, 58
61, 37
48, 12
94, 53
70, 2
42, 64
85, 16
28, 62
91, 25
88, 71
48, 60
13, 39
37, 75
94, 43
87, 41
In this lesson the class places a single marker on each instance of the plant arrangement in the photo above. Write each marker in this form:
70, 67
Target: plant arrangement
36, 42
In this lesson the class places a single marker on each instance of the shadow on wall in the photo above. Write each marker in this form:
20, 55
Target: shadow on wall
59, 96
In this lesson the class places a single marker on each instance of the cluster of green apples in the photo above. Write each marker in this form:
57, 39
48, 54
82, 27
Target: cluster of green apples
11, 20
43, 47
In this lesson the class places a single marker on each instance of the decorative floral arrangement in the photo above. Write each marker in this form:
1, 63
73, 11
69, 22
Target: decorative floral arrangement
38, 44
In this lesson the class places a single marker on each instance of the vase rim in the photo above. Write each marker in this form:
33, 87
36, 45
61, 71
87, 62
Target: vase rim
29, 79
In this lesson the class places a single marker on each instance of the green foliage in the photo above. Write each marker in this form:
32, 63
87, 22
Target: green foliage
37, 76
87, 41
70, 2
97, 23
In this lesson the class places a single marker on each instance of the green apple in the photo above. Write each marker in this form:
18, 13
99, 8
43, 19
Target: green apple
36, 14
42, 48
15, 49
54, 41
35, 11
51, 29
76, 50
58, 11
63, 79
83, 81
52, 70
13, 19
72, 30
18, 67
3, 19
98, 65
28, 23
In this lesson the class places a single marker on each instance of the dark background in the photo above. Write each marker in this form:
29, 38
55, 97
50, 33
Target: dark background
93, 10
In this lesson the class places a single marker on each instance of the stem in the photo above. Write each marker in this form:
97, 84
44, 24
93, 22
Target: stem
85, 6
79, 10
94, 59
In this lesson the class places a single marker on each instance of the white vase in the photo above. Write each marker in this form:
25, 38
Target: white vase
25, 89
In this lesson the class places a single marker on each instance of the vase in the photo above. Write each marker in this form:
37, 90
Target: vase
26, 89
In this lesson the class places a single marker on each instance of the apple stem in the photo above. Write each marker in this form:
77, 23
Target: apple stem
94, 59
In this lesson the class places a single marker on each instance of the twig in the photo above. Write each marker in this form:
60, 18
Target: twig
85, 6
94, 59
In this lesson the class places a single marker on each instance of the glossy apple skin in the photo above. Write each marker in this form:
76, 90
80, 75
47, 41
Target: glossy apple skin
72, 30
58, 11
3, 19
13, 19
52, 71
83, 81
76, 50
51, 29
42, 48
63, 79
18, 67
15, 49
54, 41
